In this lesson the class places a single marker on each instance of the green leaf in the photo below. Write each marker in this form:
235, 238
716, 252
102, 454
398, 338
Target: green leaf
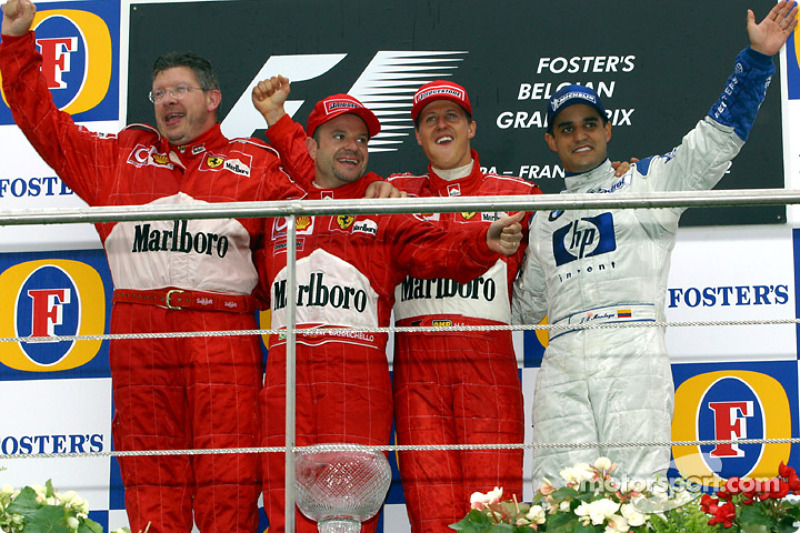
753, 515
50, 492
562, 523
88, 525
47, 519
25, 503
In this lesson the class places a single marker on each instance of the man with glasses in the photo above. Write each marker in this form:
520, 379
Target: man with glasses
169, 276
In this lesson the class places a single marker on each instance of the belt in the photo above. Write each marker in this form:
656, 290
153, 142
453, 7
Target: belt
178, 299
605, 315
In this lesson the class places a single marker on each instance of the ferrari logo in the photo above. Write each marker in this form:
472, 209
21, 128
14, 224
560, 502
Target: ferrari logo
214, 162
345, 221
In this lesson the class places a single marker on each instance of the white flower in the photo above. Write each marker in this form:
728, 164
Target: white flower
73, 523
536, 514
478, 499
563, 506
597, 511
602, 463
616, 524
632, 515
80, 505
578, 473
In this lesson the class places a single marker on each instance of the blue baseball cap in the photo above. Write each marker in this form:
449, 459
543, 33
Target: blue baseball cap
571, 95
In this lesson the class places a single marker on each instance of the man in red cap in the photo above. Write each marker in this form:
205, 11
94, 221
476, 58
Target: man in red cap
458, 387
347, 271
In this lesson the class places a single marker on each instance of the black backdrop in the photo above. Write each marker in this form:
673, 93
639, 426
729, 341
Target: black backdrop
683, 52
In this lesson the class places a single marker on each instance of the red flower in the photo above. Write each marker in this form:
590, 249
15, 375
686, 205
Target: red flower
778, 488
786, 471
709, 504
725, 515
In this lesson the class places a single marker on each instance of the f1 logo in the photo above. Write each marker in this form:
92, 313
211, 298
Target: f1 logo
730, 422
47, 310
380, 85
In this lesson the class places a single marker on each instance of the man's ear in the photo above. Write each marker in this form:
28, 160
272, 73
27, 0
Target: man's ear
214, 97
311, 146
551, 141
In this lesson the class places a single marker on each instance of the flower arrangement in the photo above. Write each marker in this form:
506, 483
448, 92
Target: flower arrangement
593, 501
41, 508
751, 505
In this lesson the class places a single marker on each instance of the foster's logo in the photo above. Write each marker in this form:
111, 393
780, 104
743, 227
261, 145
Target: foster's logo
47, 299
730, 405
78, 60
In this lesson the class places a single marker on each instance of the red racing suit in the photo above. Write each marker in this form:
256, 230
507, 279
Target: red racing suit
461, 387
199, 392
449, 388
347, 271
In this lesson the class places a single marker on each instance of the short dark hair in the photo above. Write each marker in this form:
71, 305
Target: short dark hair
203, 71
466, 113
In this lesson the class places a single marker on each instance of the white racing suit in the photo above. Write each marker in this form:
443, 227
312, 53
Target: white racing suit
595, 266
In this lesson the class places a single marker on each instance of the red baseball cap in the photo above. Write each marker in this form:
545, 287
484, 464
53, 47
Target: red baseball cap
439, 90
339, 104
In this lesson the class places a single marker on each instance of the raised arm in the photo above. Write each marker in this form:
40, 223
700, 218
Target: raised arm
17, 17
269, 97
769, 35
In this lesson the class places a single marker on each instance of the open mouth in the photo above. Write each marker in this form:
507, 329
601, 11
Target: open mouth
172, 118
444, 139
348, 160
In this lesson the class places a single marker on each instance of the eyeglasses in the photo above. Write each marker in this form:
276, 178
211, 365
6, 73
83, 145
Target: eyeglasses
178, 93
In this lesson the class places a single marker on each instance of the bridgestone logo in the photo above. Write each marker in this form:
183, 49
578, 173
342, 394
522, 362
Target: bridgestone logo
178, 240
439, 288
318, 294
440, 90
339, 104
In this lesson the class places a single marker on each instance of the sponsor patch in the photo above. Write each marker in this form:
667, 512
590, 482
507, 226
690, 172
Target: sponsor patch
366, 226
303, 223
214, 161
237, 166
143, 155
344, 221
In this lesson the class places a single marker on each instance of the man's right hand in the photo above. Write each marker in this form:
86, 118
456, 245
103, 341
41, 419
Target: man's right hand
17, 17
269, 97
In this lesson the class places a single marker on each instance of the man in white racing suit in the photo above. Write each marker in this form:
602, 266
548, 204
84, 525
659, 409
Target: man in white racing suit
599, 266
